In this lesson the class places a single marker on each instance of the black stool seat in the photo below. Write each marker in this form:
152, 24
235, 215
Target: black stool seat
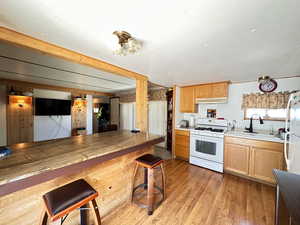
68, 195
149, 159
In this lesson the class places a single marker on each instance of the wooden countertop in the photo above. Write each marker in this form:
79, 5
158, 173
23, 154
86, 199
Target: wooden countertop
34, 163
289, 187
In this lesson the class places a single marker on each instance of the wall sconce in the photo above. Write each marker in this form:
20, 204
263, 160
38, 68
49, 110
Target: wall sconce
21, 101
79, 103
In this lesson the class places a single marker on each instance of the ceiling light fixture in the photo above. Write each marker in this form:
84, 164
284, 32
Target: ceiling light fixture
127, 44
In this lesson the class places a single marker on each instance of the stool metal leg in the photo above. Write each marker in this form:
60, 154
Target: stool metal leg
133, 179
150, 196
43, 217
96, 213
163, 175
83, 215
145, 178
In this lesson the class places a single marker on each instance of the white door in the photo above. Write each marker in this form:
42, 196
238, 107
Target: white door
158, 119
127, 116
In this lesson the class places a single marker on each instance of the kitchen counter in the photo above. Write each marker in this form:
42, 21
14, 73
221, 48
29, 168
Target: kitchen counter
105, 161
34, 163
187, 129
261, 135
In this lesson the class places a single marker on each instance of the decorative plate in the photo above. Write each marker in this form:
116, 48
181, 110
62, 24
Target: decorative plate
268, 86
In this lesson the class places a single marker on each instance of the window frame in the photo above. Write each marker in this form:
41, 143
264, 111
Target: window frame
264, 118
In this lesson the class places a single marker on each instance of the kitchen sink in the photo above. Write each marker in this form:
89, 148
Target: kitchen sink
248, 132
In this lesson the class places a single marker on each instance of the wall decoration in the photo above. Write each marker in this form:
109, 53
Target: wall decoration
266, 84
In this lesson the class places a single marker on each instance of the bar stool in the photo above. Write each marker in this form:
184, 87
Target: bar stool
60, 202
149, 163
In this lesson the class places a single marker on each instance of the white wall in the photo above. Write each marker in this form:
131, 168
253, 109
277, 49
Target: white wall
158, 119
127, 116
51, 127
41, 93
3, 99
232, 110
89, 114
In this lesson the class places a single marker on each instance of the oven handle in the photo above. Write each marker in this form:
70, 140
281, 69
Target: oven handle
201, 136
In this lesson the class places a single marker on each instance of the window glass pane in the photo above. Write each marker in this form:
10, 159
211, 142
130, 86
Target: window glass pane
277, 113
258, 112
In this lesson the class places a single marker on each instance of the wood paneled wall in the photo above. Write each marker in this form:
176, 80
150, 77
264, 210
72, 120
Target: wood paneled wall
112, 179
19, 119
79, 116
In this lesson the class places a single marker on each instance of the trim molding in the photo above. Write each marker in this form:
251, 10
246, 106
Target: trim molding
51, 87
24, 40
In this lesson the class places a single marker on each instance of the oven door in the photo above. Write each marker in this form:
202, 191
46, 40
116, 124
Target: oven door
205, 147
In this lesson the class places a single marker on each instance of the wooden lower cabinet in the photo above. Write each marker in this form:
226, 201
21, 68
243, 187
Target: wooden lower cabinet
252, 158
263, 161
237, 158
182, 144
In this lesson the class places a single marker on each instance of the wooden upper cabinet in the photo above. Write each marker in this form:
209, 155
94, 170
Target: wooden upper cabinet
189, 94
219, 90
213, 90
203, 91
187, 100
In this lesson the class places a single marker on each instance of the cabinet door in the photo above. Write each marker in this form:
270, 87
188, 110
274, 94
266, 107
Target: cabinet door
203, 91
182, 152
237, 158
219, 90
263, 161
187, 100
182, 145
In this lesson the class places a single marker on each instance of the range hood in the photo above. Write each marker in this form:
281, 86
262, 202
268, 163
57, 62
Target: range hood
211, 100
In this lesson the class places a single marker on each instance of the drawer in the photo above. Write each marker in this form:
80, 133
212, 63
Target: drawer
182, 140
182, 132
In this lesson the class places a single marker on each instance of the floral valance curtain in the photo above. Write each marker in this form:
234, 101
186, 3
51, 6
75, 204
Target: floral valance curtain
272, 100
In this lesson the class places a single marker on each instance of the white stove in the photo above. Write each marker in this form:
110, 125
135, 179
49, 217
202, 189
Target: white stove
207, 144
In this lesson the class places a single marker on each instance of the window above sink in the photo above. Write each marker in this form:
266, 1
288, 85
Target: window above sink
266, 114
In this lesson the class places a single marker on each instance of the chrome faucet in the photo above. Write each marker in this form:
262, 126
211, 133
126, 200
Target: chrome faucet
250, 129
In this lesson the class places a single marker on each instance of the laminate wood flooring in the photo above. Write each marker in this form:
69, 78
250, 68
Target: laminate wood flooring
199, 196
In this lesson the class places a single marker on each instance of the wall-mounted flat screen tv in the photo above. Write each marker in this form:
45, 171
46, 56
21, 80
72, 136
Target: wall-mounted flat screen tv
52, 107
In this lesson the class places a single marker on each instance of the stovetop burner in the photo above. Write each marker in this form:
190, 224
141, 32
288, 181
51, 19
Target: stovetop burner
210, 129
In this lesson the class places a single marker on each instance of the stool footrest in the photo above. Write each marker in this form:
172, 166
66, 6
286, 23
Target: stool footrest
144, 205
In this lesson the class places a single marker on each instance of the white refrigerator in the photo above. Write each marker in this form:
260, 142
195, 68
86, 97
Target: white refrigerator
292, 135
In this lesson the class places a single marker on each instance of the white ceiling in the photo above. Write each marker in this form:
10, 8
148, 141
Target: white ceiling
32, 66
185, 42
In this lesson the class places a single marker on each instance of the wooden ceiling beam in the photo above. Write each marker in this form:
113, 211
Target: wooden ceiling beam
52, 87
24, 40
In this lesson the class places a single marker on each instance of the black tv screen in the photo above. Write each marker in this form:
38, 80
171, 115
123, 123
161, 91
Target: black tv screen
52, 107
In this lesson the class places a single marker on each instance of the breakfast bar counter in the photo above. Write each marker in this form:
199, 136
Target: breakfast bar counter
104, 160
